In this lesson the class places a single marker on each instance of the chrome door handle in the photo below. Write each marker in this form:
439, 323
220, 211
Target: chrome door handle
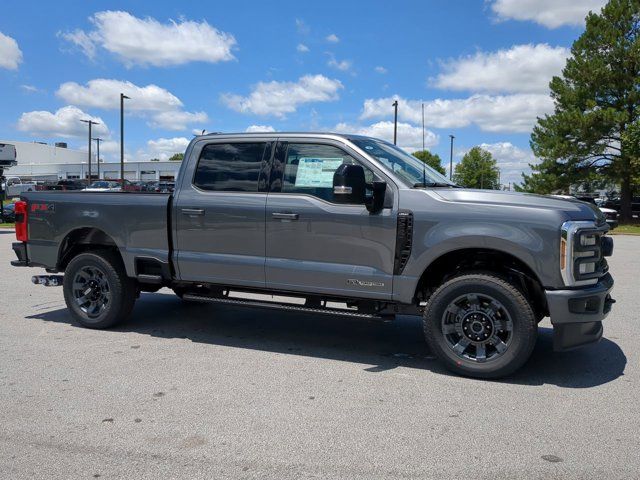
193, 211
285, 216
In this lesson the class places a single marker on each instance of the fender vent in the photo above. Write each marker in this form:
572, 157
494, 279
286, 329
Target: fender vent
404, 240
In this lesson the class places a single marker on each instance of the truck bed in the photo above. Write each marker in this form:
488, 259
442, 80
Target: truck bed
137, 223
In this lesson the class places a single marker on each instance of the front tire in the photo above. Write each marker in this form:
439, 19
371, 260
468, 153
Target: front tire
480, 325
97, 290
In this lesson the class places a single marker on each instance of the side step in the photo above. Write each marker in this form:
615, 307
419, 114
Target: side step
284, 306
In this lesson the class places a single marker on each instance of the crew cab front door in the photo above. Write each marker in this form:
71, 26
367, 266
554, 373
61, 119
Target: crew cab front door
220, 213
315, 244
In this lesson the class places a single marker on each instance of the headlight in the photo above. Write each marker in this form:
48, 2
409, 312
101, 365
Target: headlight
581, 259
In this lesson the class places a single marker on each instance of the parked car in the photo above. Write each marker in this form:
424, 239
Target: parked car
610, 214
339, 225
103, 186
614, 203
139, 186
72, 184
9, 212
14, 186
166, 187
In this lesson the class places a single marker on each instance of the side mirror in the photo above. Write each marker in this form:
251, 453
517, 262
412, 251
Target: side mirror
375, 202
349, 185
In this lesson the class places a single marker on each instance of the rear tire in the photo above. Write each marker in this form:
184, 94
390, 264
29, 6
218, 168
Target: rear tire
97, 290
480, 325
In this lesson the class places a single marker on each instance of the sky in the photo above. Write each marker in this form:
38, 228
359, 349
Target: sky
481, 68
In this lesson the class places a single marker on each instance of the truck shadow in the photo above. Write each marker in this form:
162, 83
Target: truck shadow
377, 345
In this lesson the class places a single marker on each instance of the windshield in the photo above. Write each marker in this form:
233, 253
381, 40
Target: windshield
407, 167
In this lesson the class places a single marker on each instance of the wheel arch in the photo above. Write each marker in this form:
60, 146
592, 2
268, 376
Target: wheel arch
480, 259
84, 239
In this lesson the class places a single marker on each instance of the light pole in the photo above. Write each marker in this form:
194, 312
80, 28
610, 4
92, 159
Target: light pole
90, 122
122, 97
423, 128
98, 140
395, 122
451, 158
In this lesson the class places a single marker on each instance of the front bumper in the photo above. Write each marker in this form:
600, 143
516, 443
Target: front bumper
577, 314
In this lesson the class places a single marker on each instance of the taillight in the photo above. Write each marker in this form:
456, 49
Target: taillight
21, 221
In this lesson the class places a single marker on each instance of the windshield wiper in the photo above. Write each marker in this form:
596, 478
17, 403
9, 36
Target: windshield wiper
434, 184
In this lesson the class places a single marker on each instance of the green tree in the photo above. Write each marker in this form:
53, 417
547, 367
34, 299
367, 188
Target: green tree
176, 157
478, 169
596, 100
431, 159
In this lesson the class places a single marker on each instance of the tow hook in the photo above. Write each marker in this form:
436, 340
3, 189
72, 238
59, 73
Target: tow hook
48, 280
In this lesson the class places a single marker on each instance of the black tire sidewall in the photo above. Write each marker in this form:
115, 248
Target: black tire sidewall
523, 333
119, 287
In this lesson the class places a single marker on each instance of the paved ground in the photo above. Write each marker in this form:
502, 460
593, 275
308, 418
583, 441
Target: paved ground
211, 392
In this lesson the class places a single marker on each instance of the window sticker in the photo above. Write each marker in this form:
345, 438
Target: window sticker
316, 172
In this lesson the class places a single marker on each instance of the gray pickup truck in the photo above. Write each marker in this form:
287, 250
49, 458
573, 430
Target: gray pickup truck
333, 224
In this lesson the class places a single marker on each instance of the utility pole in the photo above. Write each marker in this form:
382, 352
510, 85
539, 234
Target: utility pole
122, 97
98, 140
395, 122
451, 158
423, 128
90, 122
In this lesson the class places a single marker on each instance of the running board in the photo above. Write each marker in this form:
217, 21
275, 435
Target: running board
284, 306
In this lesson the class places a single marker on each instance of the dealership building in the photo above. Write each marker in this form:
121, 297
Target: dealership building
44, 162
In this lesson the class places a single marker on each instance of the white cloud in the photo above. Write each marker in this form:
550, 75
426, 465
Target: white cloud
302, 48
506, 113
164, 108
512, 160
380, 69
333, 38
65, 122
280, 98
302, 27
409, 136
343, 65
30, 88
10, 53
146, 41
163, 148
105, 93
550, 13
260, 128
521, 69
177, 120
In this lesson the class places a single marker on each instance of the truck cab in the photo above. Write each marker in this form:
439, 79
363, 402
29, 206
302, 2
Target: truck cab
333, 224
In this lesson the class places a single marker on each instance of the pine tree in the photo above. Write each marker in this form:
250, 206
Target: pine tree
597, 99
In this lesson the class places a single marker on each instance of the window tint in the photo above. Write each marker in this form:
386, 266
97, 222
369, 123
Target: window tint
230, 167
309, 169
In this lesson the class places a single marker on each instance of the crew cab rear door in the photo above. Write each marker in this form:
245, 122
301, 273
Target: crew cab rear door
219, 212
316, 245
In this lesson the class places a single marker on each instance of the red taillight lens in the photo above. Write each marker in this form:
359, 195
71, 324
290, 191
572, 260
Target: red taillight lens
21, 221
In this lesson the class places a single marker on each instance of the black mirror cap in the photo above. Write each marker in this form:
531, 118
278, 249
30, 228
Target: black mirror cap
349, 178
375, 203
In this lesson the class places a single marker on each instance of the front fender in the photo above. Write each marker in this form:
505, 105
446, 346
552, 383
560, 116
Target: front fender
531, 245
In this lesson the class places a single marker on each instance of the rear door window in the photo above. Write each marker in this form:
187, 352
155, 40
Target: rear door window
231, 167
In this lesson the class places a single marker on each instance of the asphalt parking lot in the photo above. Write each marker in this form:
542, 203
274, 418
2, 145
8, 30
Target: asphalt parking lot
205, 391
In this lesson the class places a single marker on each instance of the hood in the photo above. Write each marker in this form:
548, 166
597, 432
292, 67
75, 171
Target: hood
574, 209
